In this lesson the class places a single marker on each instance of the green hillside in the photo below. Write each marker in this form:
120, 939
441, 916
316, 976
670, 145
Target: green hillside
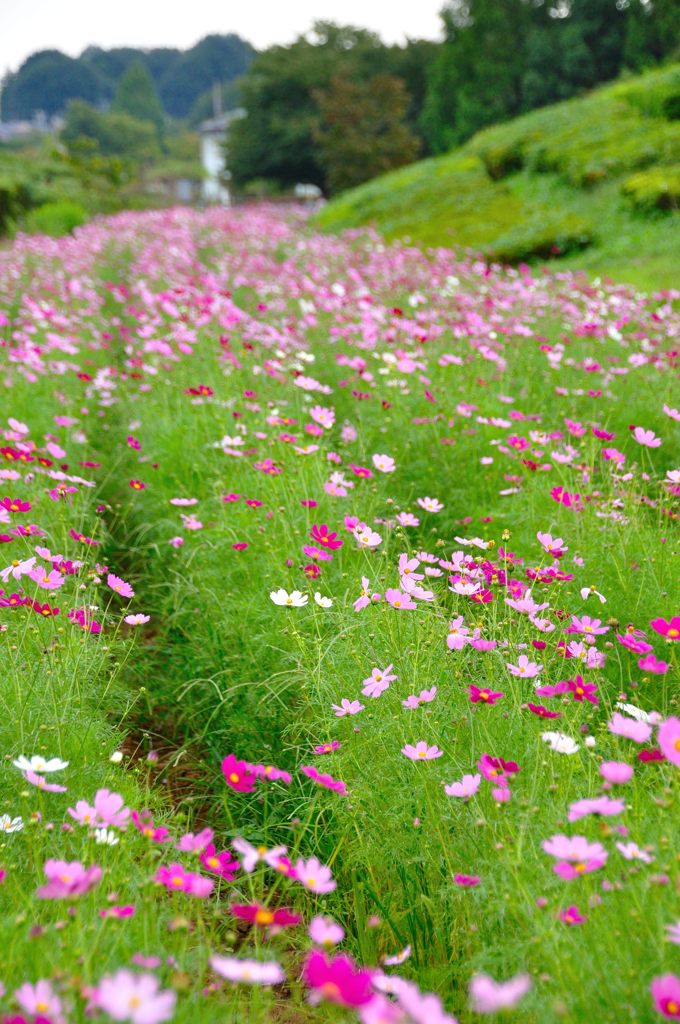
593, 182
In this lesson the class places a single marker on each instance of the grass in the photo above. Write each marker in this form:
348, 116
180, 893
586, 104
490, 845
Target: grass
590, 183
161, 352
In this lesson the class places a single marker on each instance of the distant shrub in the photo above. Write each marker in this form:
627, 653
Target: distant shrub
655, 189
56, 218
546, 240
15, 199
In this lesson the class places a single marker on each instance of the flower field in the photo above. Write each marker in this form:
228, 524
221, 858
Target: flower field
340, 619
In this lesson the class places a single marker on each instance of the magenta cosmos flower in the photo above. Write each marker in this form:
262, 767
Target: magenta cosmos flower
134, 997
665, 991
323, 537
237, 774
670, 628
484, 695
67, 879
337, 980
421, 751
263, 916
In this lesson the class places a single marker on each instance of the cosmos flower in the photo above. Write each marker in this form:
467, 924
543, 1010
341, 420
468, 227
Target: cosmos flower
421, 751
134, 997
250, 972
489, 996
293, 600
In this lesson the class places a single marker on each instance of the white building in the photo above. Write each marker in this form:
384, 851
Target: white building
214, 134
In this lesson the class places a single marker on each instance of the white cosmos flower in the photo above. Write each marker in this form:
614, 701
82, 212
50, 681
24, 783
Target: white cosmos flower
39, 764
560, 743
295, 599
106, 837
323, 602
587, 591
8, 824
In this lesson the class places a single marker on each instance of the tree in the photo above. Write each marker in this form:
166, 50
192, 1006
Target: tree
363, 130
112, 134
276, 139
47, 81
136, 96
214, 59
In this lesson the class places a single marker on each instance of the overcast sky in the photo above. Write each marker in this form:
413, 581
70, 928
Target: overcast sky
71, 25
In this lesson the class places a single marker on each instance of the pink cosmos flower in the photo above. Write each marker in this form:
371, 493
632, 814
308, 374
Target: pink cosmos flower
598, 805
119, 586
524, 668
67, 879
314, 875
384, 463
327, 748
143, 822
347, 707
399, 600
616, 772
378, 681
337, 980
631, 851
252, 972
669, 739
466, 881
175, 878
650, 663
665, 989
137, 620
554, 546
48, 787
575, 855
192, 842
134, 997
421, 751
619, 725
489, 996
647, 438
324, 780
465, 788
39, 1000
252, 855
324, 931
47, 580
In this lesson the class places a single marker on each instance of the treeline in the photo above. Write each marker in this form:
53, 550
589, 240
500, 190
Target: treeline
338, 106
183, 80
